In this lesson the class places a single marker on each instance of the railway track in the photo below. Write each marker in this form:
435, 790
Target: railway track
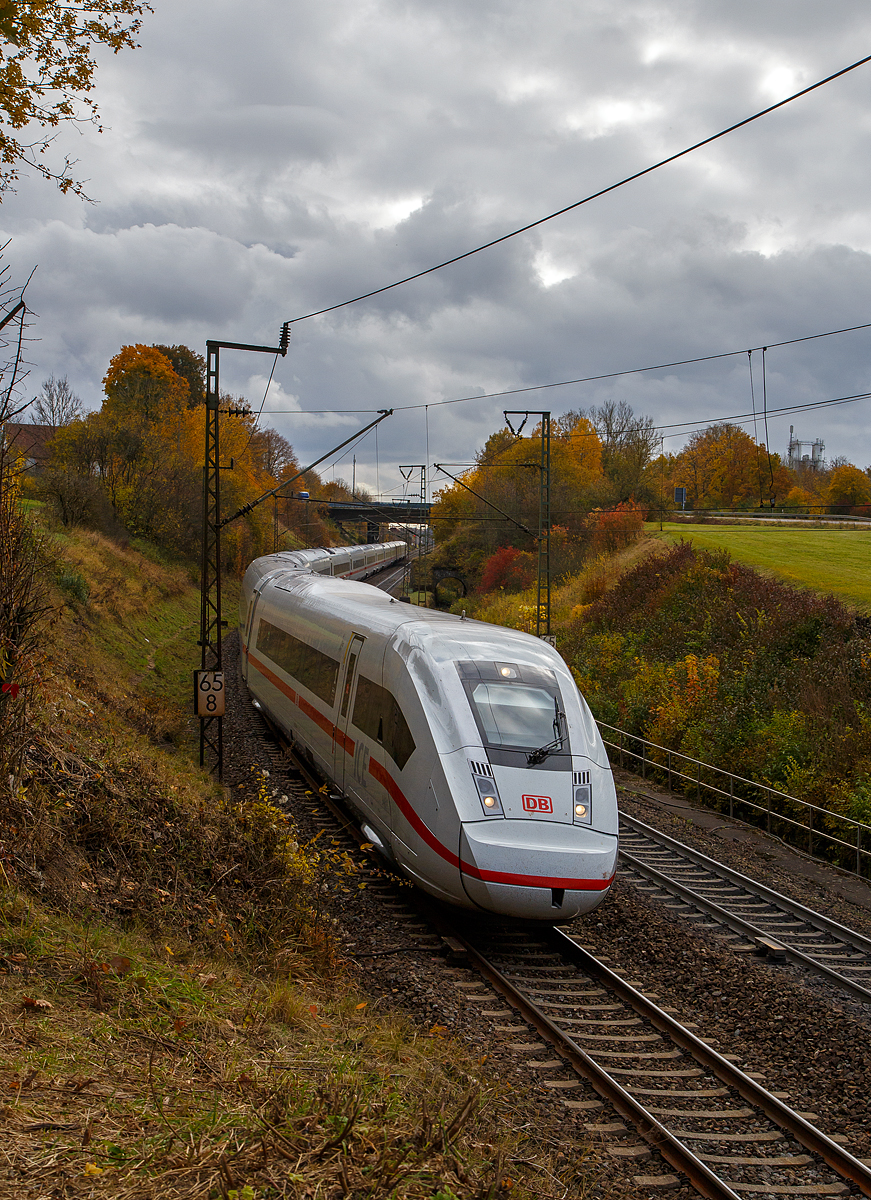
659, 1097
772, 924
699, 1111
666, 1105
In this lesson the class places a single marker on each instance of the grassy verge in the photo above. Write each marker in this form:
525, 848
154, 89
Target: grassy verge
569, 599
130, 618
132, 1072
826, 560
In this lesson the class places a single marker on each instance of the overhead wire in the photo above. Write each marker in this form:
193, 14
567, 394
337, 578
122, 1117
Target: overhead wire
586, 199
540, 387
765, 417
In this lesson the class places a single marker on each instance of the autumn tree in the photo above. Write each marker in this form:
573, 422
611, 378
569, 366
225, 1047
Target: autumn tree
508, 570
47, 67
722, 467
848, 488
800, 497
628, 441
140, 459
142, 382
273, 452
507, 474
191, 367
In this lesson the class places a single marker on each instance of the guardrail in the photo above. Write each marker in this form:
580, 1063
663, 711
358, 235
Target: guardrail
847, 841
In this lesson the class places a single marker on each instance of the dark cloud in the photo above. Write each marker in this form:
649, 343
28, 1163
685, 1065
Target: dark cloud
264, 160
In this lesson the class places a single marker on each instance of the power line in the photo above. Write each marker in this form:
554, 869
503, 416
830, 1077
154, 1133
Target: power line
772, 412
540, 387
586, 200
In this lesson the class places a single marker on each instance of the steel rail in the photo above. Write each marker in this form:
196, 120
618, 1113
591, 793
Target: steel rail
748, 929
739, 925
653, 1132
781, 1114
657, 1136
849, 936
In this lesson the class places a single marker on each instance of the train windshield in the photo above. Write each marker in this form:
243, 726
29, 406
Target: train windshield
513, 716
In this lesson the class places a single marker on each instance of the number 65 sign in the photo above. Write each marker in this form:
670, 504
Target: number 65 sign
209, 693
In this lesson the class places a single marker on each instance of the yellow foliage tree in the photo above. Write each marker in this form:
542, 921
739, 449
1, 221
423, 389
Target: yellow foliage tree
722, 467
508, 474
47, 70
141, 382
848, 487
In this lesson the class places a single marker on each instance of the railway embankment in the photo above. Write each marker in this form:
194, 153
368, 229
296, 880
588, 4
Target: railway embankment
177, 1014
705, 656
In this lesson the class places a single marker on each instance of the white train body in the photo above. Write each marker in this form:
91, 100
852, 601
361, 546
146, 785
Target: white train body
429, 724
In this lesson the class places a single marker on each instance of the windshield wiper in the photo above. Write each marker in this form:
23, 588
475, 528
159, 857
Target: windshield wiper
538, 756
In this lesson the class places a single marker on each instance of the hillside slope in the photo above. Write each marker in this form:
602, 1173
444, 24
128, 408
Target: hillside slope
176, 1020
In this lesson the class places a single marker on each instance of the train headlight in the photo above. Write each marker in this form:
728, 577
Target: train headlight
583, 804
489, 796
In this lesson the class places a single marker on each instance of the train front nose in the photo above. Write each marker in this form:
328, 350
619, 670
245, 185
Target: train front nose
541, 870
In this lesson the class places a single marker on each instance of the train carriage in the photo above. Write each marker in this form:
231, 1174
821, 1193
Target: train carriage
465, 747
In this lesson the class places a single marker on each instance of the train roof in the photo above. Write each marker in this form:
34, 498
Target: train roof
445, 637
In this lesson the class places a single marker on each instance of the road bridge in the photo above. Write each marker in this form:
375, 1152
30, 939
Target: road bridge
391, 512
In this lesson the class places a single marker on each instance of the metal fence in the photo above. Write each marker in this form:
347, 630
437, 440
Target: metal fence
818, 831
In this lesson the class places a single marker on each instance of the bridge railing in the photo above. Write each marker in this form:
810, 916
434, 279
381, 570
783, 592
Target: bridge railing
818, 831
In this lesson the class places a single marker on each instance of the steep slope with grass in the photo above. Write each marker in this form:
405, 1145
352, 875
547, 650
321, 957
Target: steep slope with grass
705, 655
176, 1019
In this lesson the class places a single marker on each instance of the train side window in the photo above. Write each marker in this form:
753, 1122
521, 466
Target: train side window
353, 655
311, 667
378, 715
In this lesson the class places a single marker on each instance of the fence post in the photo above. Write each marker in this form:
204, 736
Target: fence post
643, 758
810, 831
858, 849
698, 781
731, 795
668, 755
768, 804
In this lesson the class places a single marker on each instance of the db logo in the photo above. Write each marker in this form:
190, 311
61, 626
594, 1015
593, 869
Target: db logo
542, 804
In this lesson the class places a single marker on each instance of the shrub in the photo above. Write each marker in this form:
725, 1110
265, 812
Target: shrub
702, 654
509, 569
612, 529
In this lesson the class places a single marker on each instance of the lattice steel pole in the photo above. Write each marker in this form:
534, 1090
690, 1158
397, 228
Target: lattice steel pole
543, 539
211, 727
209, 689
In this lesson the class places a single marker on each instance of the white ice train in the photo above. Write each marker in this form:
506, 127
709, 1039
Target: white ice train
466, 748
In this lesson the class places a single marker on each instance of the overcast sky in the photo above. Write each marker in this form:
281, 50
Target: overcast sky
265, 159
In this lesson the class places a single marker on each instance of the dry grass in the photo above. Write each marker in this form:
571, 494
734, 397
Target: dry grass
517, 610
175, 1020
126, 1074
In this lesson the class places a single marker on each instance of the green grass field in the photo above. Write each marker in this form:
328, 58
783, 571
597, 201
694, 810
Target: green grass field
827, 560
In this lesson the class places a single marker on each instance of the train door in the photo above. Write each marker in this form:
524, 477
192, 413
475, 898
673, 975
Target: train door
249, 631
348, 749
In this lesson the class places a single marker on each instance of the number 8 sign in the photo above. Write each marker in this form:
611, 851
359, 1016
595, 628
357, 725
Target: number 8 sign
209, 693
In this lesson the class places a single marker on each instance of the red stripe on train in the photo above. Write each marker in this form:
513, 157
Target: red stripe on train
396, 794
378, 773
303, 705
